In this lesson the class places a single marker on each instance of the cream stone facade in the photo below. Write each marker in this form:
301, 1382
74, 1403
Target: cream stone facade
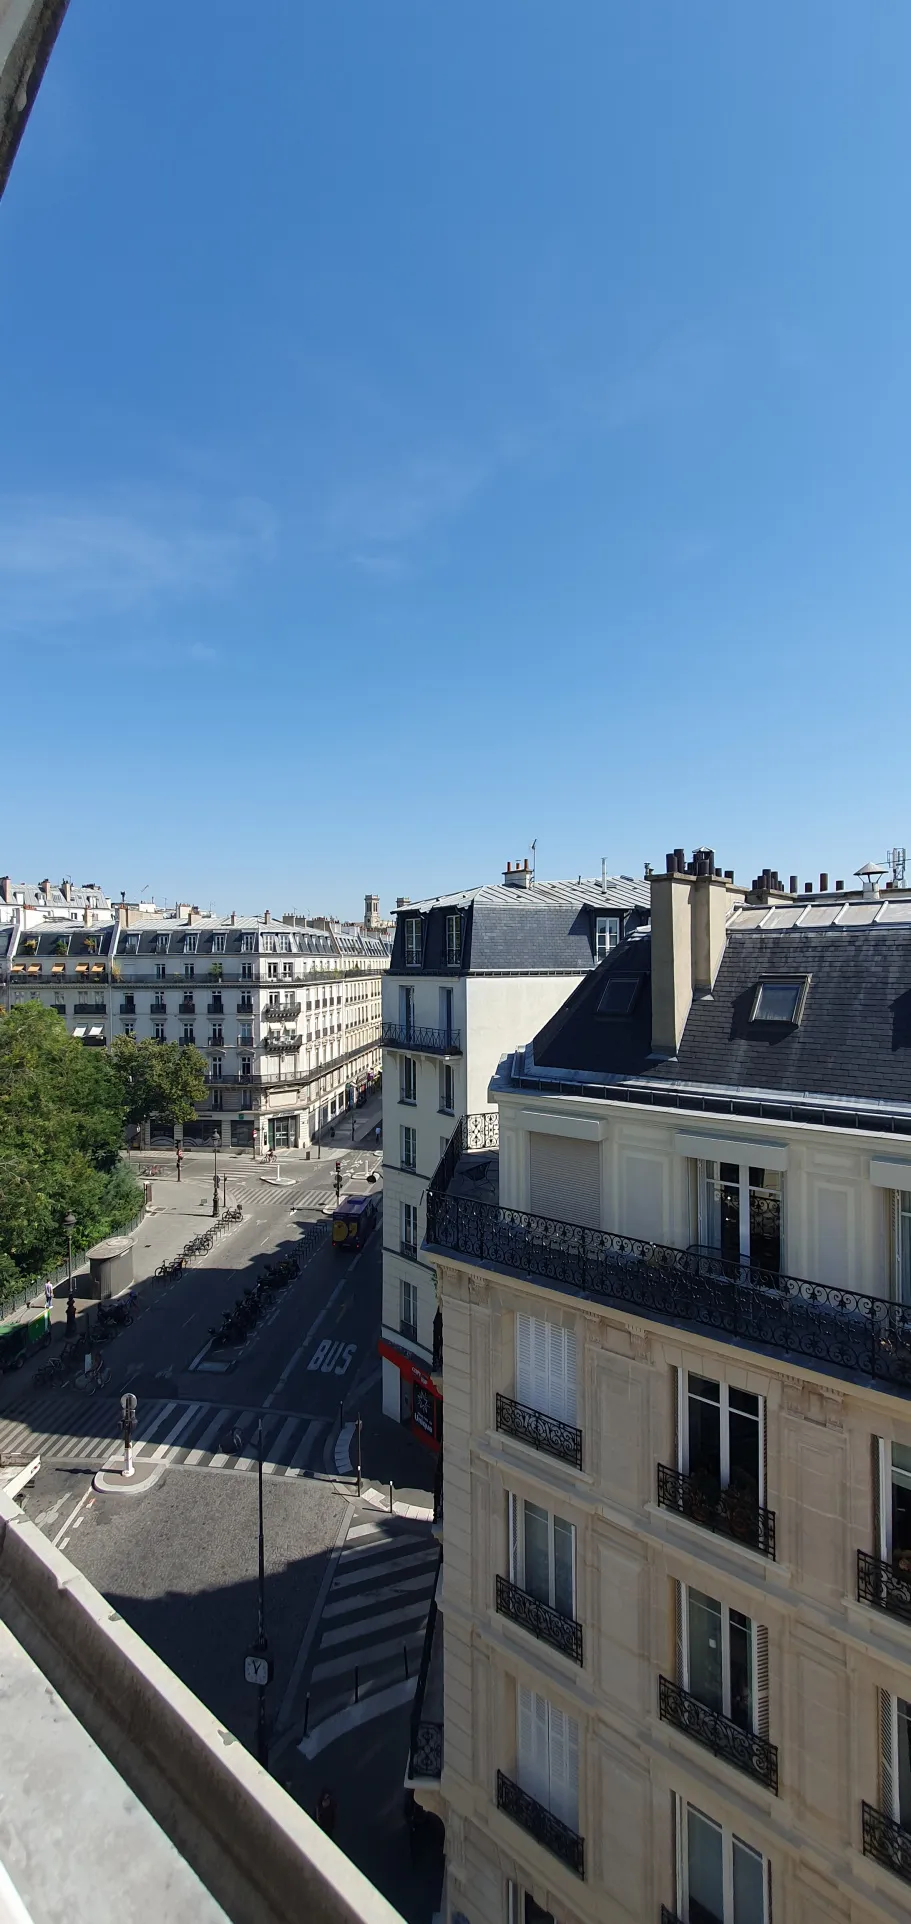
675, 1600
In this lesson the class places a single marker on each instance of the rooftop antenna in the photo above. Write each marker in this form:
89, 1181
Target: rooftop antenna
533, 847
895, 860
604, 871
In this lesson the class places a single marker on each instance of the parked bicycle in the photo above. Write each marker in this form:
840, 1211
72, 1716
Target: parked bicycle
97, 1377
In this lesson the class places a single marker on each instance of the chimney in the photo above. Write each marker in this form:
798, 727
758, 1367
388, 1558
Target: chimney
123, 917
266, 916
183, 911
688, 919
792, 879
67, 888
5, 890
86, 917
823, 884
233, 917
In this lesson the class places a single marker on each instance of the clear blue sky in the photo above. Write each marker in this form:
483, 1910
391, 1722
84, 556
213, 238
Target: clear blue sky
426, 427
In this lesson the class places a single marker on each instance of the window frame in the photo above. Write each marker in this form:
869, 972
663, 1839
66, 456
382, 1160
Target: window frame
516, 1507
452, 932
409, 1062
546, 1786
408, 1216
729, 1838
539, 1365
605, 924
759, 1657
447, 1071
745, 1190
413, 941
799, 983
408, 1326
724, 1422
408, 1142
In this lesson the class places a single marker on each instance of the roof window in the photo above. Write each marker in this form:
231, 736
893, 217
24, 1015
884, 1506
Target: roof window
780, 999
618, 997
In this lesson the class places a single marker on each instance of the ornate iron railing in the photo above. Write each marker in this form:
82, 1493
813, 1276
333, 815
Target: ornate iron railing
434, 1042
438, 1491
562, 1633
752, 1754
887, 1841
426, 1755
545, 1433
187, 1006
883, 1586
541, 1824
281, 1012
90, 1008
437, 1364
856, 1332
216, 1007
729, 1513
482, 1130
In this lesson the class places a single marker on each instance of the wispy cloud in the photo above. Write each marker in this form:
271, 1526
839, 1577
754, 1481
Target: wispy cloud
377, 518
62, 560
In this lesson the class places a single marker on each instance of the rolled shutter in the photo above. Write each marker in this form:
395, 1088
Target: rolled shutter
761, 1664
523, 1359
888, 1752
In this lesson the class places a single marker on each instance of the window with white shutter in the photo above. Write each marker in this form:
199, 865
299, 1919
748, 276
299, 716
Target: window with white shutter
548, 1755
546, 1367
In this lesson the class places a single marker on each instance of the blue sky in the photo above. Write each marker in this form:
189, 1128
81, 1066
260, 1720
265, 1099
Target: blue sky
429, 427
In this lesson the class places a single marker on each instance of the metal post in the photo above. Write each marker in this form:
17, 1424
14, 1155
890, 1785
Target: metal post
390, 1499
215, 1179
262, 1747
359, 1454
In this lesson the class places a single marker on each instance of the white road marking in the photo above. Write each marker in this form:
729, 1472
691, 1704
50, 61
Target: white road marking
314, 1326
385, 1594
211, 1430
173, 1434
372, 1653
302, 1452
70, 1520
382, 1622
429, 1556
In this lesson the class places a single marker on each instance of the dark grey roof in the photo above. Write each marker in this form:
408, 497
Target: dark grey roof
545, 930
853, 1039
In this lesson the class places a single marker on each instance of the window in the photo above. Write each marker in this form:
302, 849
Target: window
288, 971
521, 1907
546, 1368
219, 943
160, 944
409, 1148
901, 1245
160, 971
409, 1228
246, 1066
409, 1322
547, 1743
247, 942
447, 1088
618, 997
409, 1079
129, 1028
406, 1010
282, 944
893, 1505
189, 1033
724, 1881
244, 1034
722, 1659
190, 944
130, 944
189, 968
780, 999
161, 1033
446, 1013
217, 1068
542, 1555
272, 971
218, 1098
895, 1758
246, 971
217, 1036
722, 1437
453, 941
739, 1213
607, 935
266, 944
412, 941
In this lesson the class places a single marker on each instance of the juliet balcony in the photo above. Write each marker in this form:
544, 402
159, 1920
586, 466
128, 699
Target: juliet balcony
418, 1041
744, 1749
887, 1842
541, 1823
549, 1626
281, 1012
847, 1332
887, 1586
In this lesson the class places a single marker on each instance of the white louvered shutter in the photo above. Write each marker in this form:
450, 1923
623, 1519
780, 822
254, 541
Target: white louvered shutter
763, 1453
882, 1498
512, 1504
540, 1365
895, 1239
532, 1743
523, 1359
680, 1674
761, 1679
568, 1346
888, 1753
564, 1767
703, 1224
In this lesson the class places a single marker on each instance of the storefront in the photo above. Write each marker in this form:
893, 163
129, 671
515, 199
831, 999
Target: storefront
420, 1403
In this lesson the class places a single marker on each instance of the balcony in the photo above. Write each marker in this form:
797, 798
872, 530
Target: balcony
742, 1748
89, 1008
730, 1513
186, 1041
541, 1824
425, 1761
216, 1006
158, 1007
245, 1005
428, 1042
887, 1586
562, 1633
215, 1042
187, 1006
845, 1331
128, 1005
277, 1045
886, 1841
281, 1011
542, 1432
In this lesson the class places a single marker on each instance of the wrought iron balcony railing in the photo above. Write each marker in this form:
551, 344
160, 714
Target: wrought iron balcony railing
280, 1045
848, 1328
187, 1006
562, 1633
545, 1433
886, 1587
426, 1758
437, 1364
216, 1006
89, 1008
433, 1042
730, 1513
743, 1748
128, 1005
281, 1011
888, 1842
541, 1824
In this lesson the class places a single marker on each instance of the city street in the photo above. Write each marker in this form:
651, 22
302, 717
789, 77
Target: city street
347, 1587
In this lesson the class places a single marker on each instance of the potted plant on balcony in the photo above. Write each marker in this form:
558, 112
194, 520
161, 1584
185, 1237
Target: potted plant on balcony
216, 971
61, 945
116, 971
91, 945
30, 946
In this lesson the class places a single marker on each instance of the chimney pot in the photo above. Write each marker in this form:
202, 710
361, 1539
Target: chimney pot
680, 861
266, 916
839, 886
526, 861
509, 868
729, 875
823, 883
808, 888
793, 884
670, 862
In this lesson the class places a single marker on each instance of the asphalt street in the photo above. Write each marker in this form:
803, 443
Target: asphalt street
347, 1590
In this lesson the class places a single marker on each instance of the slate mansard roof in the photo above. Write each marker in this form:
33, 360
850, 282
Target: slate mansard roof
545, 929
852, 1042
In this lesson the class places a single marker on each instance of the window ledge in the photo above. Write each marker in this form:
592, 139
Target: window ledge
496, 1446
710, 1547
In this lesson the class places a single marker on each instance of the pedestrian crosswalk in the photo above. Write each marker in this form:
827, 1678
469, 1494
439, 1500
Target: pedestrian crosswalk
373, 1621
258, 1192
69, 1428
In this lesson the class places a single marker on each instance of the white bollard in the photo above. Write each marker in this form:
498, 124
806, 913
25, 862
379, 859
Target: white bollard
128, 1459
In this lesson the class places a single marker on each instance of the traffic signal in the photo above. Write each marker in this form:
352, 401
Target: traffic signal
338, 1180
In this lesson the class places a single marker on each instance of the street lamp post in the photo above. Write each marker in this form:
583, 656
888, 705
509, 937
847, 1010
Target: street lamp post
258, 1662
215, 1179
69, 1224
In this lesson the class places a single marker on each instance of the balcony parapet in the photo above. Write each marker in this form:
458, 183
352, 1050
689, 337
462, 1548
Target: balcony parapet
747, 1751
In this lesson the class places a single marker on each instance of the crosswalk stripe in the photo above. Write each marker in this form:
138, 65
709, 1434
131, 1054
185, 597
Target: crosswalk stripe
338, 1666
165, 1429
399, 1565
276, 1448
301, 1454
183, 1423
149, 1424
347, 1632
364, 1530
238, 1424
211, 1429
385, 1543
384, 1594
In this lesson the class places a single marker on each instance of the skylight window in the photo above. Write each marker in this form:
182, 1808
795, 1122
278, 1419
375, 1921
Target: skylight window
618, 997
780, 999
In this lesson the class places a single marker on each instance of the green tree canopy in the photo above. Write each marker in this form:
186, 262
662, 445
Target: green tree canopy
61, 1131
158, 1079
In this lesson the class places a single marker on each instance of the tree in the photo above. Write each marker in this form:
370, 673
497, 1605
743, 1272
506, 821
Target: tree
61, 1131
159, 1079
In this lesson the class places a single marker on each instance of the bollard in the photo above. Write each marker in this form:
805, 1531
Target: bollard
355, 1685
405, 1657
390, 1499
307, 1714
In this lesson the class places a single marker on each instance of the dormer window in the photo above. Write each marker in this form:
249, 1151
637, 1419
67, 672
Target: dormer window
607, 935
453, 941
619, 995
247, 942
412, 941
218, 944
780, 999
160, 943
190, 944
131, 944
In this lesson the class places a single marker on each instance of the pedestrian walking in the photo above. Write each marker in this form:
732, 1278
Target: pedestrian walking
179, 1160
376, 1135
325, 1812
48, 1295
70, 1317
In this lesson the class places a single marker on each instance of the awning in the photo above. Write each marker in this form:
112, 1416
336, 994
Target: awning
79, 1033
58, 968
98, 1030
97, 968
82, 968
34, 968
18, 968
